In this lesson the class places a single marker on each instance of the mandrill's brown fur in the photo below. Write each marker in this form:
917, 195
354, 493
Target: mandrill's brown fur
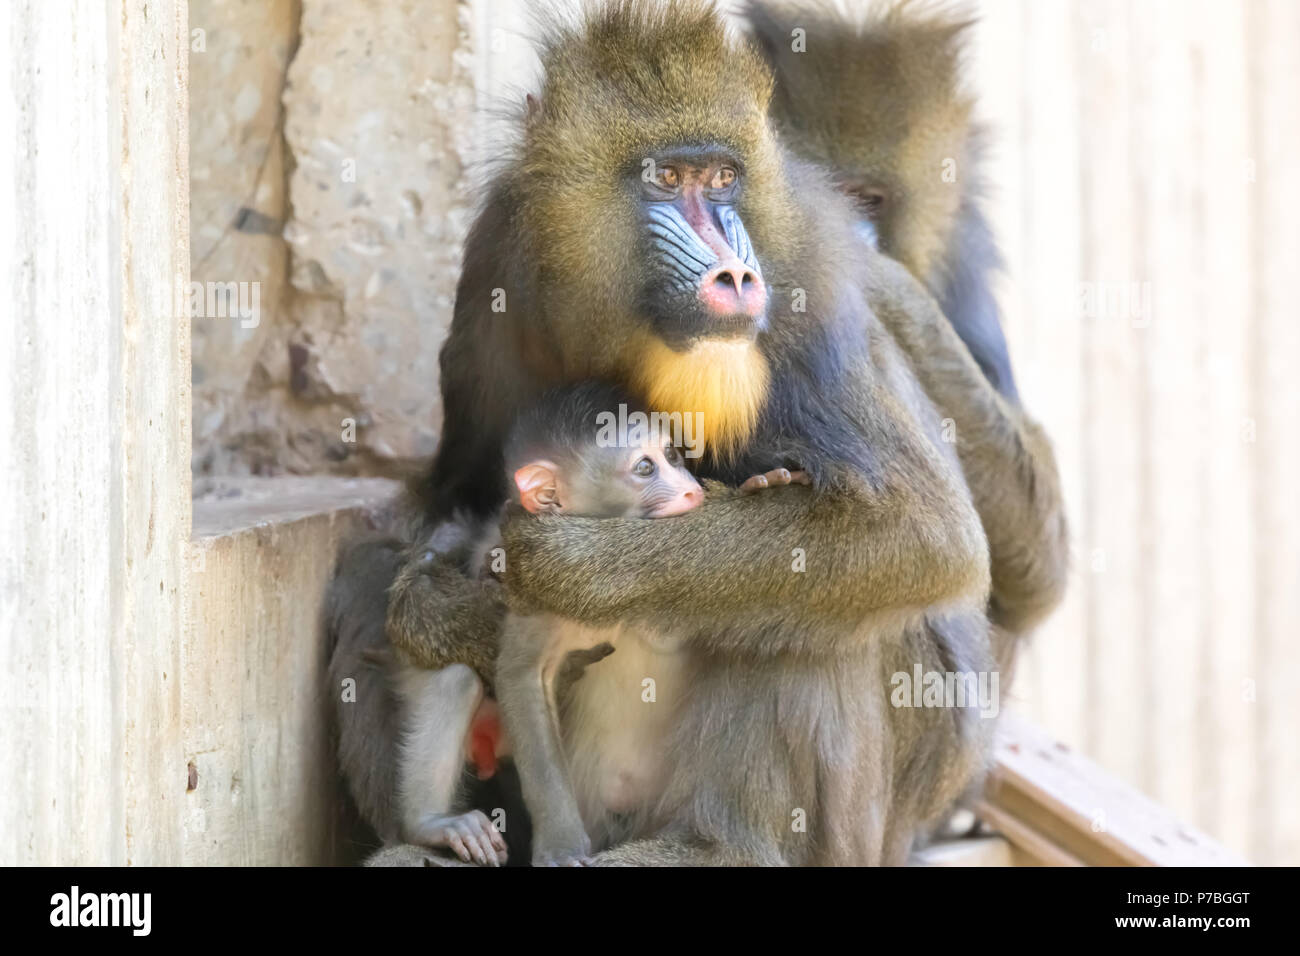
800, 604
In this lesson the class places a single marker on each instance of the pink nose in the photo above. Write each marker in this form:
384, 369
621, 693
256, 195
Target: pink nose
732, 288
683, 503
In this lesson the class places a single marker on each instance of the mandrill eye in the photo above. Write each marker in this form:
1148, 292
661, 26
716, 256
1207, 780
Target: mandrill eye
660, 183
644, 468
671, 456
722, 187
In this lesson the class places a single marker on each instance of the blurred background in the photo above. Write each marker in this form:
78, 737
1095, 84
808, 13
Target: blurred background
1147, 199
1147, 203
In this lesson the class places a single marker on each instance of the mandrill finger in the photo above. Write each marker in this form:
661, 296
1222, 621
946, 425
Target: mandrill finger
484, 840
775, 479
458, 847
490, 856
470, 839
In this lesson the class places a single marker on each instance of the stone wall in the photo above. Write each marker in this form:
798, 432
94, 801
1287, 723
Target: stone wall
239, 53
330, 143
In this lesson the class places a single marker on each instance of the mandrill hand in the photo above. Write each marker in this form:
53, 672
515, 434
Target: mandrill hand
774, 479
438, 615
550, 554
523, 547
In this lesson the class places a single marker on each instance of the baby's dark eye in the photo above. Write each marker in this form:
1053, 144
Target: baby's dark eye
670, 455
644, 468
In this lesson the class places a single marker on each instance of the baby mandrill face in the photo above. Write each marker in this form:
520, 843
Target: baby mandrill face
661, 485
645, 481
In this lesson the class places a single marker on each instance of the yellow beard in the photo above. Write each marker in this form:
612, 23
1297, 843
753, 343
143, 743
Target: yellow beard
725, 381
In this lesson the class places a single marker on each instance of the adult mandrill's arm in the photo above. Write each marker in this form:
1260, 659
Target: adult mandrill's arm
789, 556
1006, 457
438, 616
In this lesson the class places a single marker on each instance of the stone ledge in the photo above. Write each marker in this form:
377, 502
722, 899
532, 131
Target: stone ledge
258, 766
225, 506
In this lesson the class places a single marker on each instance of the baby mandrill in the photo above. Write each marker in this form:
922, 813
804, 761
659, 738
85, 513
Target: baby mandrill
556, 465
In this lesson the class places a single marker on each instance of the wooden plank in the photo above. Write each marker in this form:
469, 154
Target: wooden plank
1025, 835
1062, 809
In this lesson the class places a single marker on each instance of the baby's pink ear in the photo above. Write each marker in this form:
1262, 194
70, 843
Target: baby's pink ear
536, 484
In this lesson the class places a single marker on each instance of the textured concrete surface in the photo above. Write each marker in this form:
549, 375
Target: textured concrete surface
379, 111
339, 181
94, 406
239, 53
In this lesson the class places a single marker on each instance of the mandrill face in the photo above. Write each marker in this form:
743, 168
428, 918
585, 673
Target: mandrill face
702, 277
653, 195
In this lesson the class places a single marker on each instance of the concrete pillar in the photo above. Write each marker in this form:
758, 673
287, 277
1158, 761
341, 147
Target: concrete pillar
94, 407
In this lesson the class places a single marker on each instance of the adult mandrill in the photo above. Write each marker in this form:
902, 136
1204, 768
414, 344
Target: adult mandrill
876, 97
653, 232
